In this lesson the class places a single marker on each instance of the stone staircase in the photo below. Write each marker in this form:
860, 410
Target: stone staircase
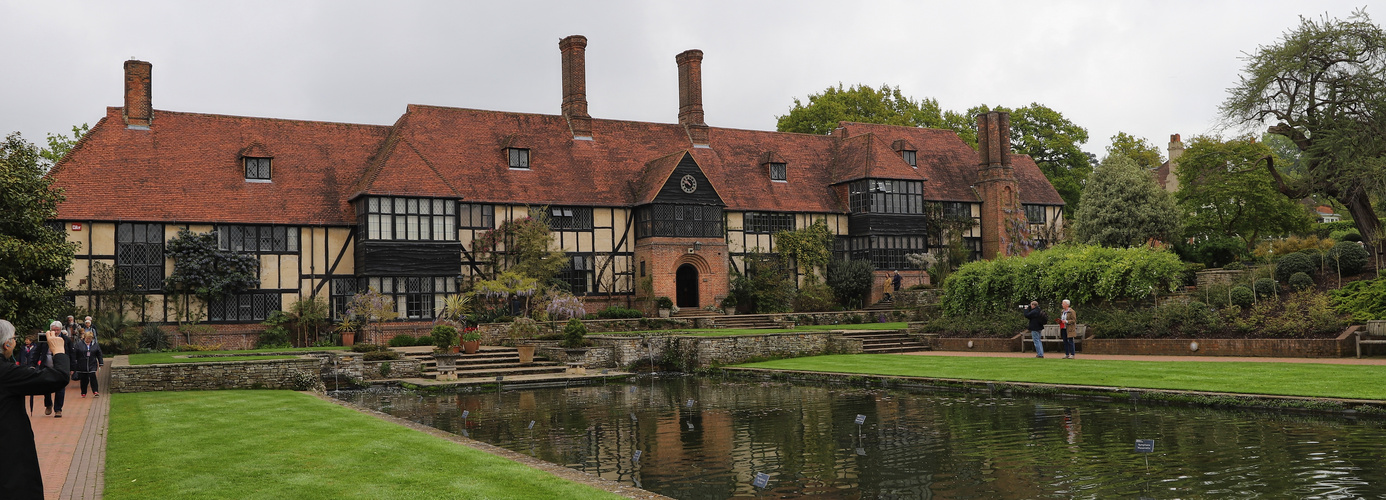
884, 305
488, 362
690, 312
745, 321
886, 342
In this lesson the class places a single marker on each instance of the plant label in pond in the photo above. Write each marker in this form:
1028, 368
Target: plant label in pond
690, 403
761, 481
690, 426
465, 413
861, 451
500, 378
636, 458
531, 424
632, 417
1145, 445
632, 389
861, 419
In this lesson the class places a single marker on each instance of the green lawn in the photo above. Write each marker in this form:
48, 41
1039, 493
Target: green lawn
724, 332
151, 358
283, 444
1288, 379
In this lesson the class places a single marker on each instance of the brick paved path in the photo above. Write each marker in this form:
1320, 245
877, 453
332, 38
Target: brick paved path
72, 449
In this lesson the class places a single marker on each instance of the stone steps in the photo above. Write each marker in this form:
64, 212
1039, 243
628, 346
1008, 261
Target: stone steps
746, 321
885, 342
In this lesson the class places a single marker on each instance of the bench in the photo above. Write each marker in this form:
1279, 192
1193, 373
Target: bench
1050, 333
1375, 333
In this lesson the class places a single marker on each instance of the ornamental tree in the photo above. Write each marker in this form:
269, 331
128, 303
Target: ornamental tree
34, 258
1224, 192
202, 268
1322, 86
1124, 207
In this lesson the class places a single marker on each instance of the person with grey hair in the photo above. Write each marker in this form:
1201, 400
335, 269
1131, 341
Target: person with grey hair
20, 477
1067, 316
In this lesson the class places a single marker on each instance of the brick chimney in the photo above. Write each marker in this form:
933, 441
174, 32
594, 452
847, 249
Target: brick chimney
575, 85
139, 110
1176, 149
1003, 220
691, 95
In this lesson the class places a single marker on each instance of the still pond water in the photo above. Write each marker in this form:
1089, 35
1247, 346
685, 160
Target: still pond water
709, 438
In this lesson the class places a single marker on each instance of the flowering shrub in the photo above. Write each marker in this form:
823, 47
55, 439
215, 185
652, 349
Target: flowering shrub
1081, 273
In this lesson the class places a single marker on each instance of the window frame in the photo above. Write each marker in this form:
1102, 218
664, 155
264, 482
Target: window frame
780, 168
404, 218
519, 158
264, 164
767, 222
141, 262
910, 157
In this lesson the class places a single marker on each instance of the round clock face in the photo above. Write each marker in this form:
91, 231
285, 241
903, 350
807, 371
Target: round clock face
689, 184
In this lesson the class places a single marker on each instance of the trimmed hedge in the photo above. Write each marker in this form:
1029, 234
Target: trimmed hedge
1083, 274
1349, 256
1293, 263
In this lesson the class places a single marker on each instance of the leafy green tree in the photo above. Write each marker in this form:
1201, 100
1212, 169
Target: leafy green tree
1124, 207
859, 103
1323, 86
59, 145
1224, 192
765, 286
1139, 149
1054, 143
34, 258
851, 281
203, 269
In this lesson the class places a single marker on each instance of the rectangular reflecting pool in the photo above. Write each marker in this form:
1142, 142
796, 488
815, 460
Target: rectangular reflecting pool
711, 438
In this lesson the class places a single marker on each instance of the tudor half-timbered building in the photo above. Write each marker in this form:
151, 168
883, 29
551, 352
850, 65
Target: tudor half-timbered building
330, 209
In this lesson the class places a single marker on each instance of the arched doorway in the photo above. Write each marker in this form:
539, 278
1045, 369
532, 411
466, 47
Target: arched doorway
686, 286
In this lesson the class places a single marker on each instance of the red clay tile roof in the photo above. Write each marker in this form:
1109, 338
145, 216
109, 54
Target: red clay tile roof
187, 167
950, 165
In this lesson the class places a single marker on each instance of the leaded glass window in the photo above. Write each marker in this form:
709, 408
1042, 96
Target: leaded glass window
257, 169
519, 158
886, 196
406, 219
140, 255
767, 222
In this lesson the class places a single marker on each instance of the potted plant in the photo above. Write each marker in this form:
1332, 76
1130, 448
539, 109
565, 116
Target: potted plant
521, 331
664, 305
471, 340
575, 341
347, 329
445, 339
729, 305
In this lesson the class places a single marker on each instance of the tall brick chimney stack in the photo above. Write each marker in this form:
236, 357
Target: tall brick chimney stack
1003, 221
691, 95
139, 109
575, 85
1176, 149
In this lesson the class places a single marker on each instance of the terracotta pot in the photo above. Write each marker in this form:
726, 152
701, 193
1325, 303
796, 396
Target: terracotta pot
471, 347
348, 338
526, 354
454, 349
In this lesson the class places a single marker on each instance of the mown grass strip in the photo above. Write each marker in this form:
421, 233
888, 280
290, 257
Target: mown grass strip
150, 358
1284, 379
283, 444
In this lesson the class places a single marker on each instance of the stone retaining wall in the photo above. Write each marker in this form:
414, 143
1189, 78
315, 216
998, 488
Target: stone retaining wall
399, 368
1339, 347
294, 374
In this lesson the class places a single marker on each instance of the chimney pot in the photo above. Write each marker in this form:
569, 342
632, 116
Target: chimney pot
994, 138
1174, 138
690, 64
575, 85
139, 109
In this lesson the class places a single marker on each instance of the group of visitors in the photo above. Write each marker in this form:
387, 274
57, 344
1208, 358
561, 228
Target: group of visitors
28, 371
1038, 318
86, 358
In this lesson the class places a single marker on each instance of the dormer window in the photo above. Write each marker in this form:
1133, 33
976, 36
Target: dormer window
257, 169
906, 150
519, 158
778, 172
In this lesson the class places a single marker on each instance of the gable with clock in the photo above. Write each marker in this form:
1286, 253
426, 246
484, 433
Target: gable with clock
688, 184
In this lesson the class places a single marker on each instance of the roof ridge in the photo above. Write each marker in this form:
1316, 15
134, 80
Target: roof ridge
81, 141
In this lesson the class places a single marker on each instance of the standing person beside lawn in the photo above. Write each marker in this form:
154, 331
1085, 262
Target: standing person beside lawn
1037, 319
86, 361
1067, 316
20, 477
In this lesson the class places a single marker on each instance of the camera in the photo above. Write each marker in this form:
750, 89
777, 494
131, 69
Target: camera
1024, 306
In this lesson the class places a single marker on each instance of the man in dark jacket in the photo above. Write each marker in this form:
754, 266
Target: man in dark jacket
1037, 319
20, 477
86, 360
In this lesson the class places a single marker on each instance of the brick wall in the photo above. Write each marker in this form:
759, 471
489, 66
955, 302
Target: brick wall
260, 374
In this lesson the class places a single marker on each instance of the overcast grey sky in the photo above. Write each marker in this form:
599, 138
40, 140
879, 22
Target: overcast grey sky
1149, 68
